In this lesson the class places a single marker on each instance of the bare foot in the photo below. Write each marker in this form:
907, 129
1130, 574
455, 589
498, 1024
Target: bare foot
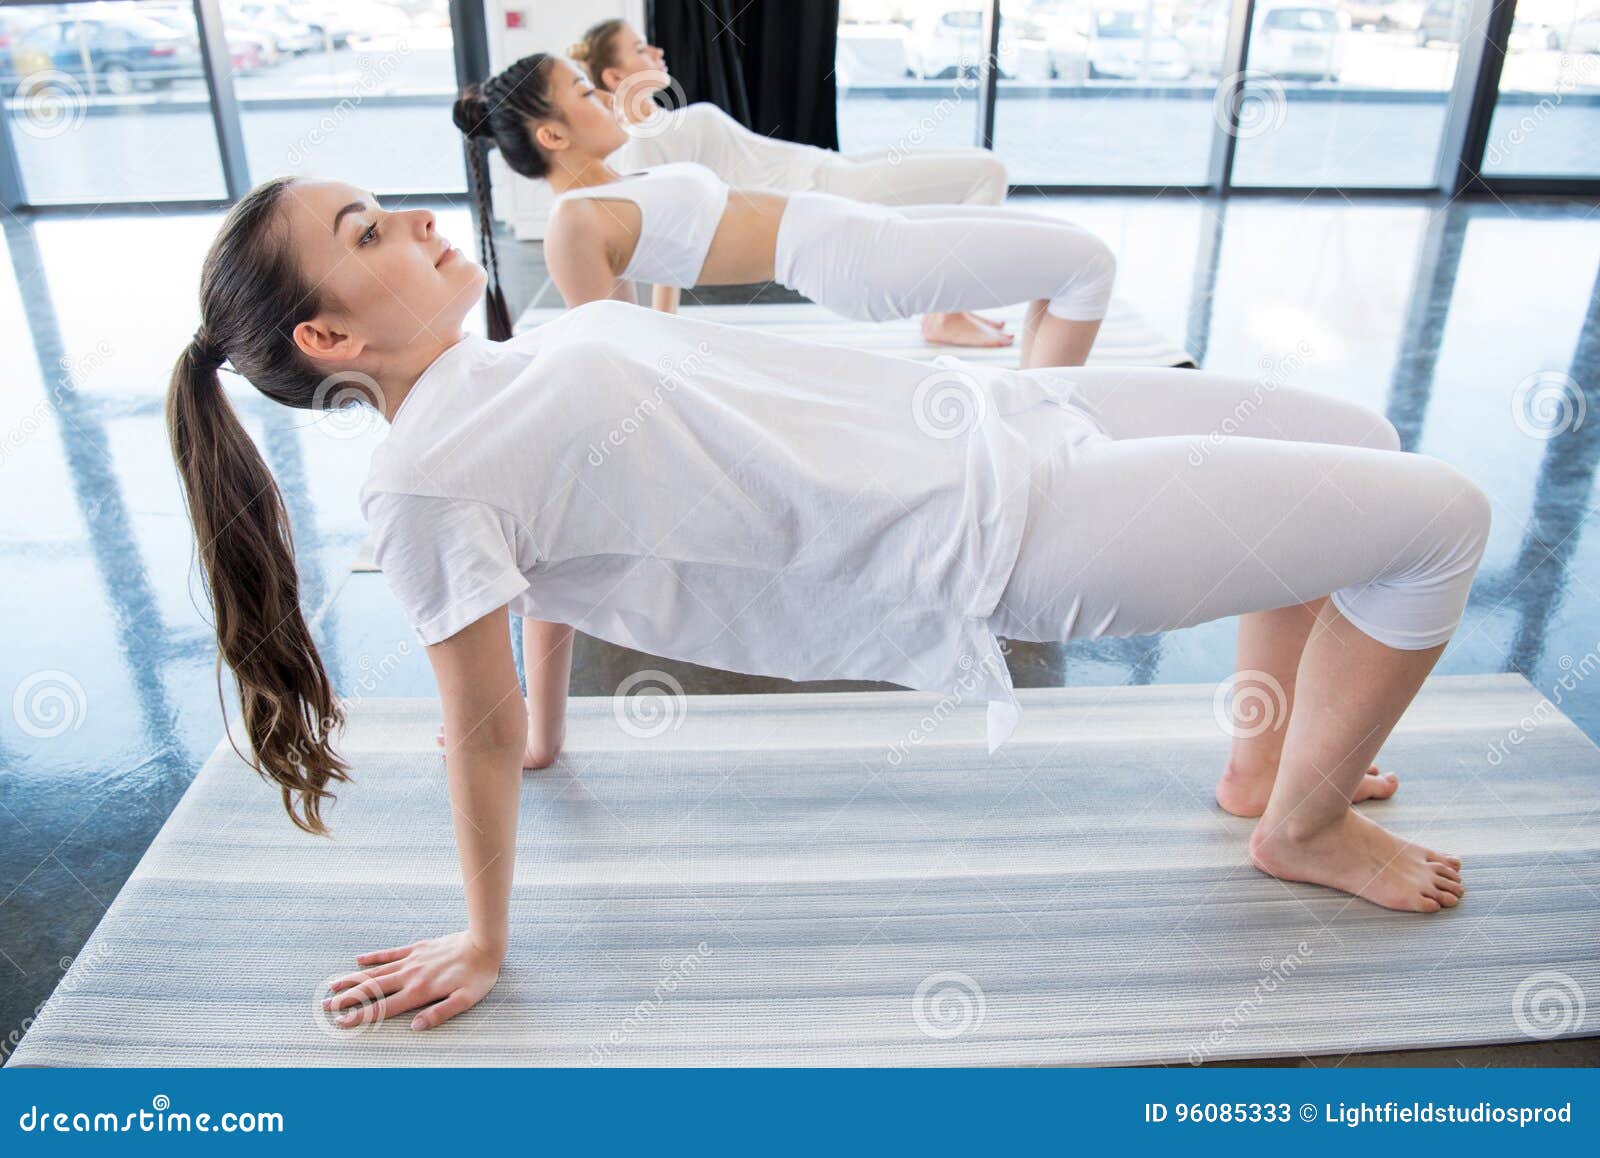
530, 758
1245, 793
961, 330
1359, 856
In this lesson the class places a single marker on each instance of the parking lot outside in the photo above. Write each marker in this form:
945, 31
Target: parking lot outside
107, 103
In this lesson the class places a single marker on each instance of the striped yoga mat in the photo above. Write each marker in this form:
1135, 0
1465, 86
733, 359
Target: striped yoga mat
1125, 338
844, 879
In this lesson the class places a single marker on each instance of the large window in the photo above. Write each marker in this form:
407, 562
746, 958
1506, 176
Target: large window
107, 102
1547, 113
1348, 93
1124, 94
351, 89
1315, 93
907, 73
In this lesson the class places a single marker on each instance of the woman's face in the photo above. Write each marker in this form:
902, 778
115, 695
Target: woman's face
391, 283
636, 57
586, 127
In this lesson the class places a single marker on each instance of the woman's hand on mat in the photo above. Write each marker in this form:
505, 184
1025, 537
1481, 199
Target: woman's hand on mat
447, 974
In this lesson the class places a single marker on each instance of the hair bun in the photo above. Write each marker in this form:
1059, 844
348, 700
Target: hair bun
471, 114
579, 51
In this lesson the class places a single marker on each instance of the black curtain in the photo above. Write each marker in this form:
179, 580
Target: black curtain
767, 63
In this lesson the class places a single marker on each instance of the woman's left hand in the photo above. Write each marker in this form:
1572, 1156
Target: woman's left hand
448, 974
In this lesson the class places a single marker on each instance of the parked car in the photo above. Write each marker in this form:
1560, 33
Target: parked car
118, 55
1299, 39
948, 41
1384, 15
1125, 45
288, 35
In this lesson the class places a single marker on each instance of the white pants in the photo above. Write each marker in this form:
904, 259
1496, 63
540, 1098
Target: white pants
1169, 521
877, 262
927, 176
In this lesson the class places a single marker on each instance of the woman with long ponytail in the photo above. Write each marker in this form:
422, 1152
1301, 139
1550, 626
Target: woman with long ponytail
246, 548
717, 495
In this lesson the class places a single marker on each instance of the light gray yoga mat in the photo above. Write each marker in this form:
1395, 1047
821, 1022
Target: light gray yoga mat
1125, 338
756, 880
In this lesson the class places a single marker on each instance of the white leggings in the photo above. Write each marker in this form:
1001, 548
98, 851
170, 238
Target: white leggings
919, 177
1162, 523
876, 262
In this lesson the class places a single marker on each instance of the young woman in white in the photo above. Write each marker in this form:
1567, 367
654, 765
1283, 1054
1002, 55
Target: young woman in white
725, 496
679, 225
624, 64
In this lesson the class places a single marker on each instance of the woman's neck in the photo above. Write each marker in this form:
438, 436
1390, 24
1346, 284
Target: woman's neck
580, 173
396, 380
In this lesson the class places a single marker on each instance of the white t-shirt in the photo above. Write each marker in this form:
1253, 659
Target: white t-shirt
703, 133
717, 495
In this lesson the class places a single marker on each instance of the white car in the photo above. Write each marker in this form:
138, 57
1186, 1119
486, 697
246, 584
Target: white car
1123, 46
1299, 40
947, 41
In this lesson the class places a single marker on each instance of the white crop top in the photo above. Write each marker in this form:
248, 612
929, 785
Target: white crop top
680, 207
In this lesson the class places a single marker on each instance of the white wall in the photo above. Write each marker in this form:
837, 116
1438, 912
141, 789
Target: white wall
547, 26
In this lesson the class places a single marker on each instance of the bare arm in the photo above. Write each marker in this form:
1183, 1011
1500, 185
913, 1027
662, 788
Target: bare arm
547, 656
665, 298
485, 716
580, 260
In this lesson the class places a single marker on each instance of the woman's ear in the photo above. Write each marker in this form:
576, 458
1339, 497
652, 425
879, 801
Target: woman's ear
550, 136
323, 340
610, 78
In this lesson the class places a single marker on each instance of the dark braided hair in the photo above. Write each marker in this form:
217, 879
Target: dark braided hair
498, 113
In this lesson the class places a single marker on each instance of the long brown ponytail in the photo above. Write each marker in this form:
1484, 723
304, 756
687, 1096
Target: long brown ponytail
252, 295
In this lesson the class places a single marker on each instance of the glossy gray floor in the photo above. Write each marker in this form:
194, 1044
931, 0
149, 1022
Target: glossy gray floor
1471, 325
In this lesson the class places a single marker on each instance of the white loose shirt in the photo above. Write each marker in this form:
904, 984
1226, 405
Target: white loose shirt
703, 133
717, 495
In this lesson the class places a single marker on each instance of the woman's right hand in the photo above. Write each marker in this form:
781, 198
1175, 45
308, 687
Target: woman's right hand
447, 974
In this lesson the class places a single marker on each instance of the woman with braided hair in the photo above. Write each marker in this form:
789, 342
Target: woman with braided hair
680, 225
632, 70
